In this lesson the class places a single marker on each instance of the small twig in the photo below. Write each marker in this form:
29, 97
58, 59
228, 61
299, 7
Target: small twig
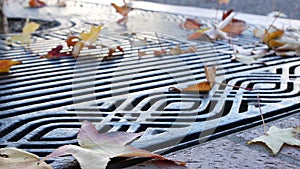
261, 115
223, 84
159, 42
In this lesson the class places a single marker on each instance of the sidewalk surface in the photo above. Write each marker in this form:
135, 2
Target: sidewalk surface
230, 151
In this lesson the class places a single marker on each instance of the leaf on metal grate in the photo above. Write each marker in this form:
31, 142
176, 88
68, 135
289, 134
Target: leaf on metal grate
277, 137
177, 50
24, 38
55, 53
205, 86
12, 158
96, 150
6, 64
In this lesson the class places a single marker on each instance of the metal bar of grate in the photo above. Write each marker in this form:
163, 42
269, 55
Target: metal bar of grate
43, 101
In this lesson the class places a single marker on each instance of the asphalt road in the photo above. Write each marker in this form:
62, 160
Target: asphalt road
263, 7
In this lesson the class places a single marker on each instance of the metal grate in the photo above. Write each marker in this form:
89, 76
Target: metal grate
43, 101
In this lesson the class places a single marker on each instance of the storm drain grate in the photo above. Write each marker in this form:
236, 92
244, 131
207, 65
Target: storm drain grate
43, 101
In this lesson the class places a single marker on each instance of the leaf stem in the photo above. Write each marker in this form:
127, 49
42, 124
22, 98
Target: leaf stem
261, 115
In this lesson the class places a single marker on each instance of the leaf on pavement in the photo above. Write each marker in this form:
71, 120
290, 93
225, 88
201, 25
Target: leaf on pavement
6, 64
12, 158
124, 11
95, 150
55, 53
224, 2
277, 137
37, 3
158, 164
27, 30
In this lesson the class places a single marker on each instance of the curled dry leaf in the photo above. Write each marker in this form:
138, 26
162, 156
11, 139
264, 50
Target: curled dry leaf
111, 52
37, 3
141, 53
206, 86
159, 52
12, 158
248, 56
55, 53
138, 42
177, 50
85, 39
215, 33
277, 137
235, 26
6, 64
27, 30
95, 150
191, 24
124, 11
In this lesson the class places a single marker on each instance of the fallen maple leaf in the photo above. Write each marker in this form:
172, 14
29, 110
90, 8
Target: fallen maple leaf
92, 36
24, 38
72, 40
124, 11
55, 53
276, 138
37, 3
95, 150
191, 24
6, 64
12, 158
206, 86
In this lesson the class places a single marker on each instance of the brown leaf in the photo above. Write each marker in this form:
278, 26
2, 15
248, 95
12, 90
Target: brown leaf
191, 24
96, 150
159, 52
236, 26
124, 11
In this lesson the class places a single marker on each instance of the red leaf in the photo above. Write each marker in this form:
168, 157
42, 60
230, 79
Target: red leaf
236, 26
55, 53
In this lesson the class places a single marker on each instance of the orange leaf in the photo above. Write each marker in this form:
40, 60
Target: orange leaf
206, 86
72, 40
199, 87
6, 64
272, 35
37, 3
224, 2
